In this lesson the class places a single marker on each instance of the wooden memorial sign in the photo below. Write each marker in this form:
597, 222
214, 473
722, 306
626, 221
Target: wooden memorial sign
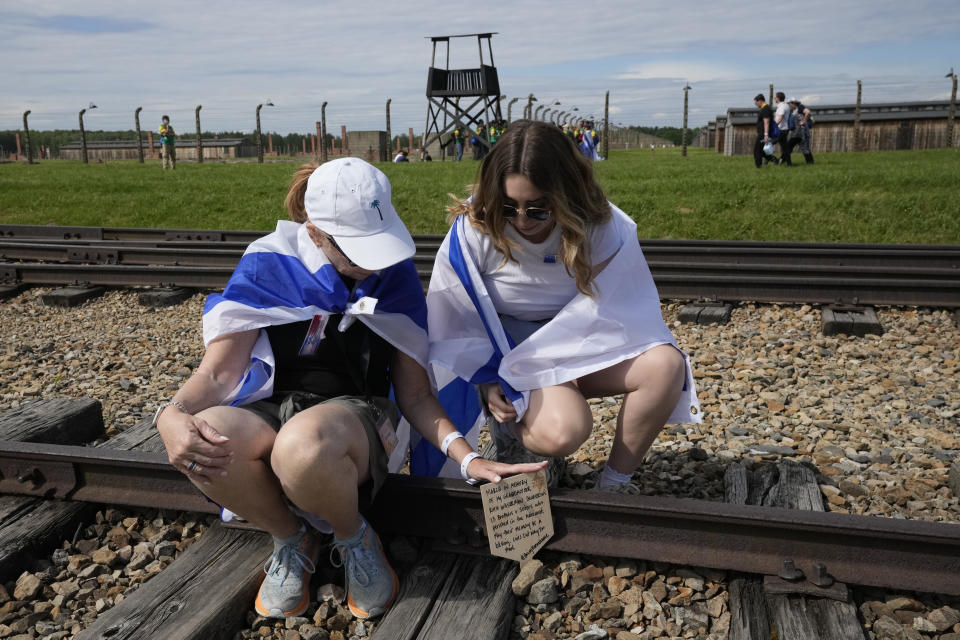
517, 514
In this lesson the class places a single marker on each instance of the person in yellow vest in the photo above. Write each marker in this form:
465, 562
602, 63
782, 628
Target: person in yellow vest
167, 136
479, 149
459, 138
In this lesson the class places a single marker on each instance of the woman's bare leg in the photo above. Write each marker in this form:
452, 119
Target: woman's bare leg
250, 488
652, 383
558, 420
321, 456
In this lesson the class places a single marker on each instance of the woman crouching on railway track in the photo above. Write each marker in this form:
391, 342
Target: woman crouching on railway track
541, 296
288, 410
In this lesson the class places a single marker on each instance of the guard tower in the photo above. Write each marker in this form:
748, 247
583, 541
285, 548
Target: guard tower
464, 95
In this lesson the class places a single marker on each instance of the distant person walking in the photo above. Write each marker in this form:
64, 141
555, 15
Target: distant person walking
762, 151
782, 117
458, 139
801, 131
167, 146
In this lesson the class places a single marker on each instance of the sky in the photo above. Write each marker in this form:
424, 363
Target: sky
58, 57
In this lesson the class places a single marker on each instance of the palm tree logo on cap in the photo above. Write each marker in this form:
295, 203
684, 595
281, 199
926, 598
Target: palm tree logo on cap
376, 203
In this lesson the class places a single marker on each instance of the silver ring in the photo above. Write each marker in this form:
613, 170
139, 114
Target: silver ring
192, 466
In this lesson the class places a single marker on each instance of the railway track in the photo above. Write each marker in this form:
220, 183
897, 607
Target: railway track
880, 552
887, 553
132, 470
723, 271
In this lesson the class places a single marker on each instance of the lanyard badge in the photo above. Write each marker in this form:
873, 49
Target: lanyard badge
314, 334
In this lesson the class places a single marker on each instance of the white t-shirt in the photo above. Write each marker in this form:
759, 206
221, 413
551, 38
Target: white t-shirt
536, 285
782, 116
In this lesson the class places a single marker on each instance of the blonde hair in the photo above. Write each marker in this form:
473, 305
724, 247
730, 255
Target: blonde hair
549, 159
297, 191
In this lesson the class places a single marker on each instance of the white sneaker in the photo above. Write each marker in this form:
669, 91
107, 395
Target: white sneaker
370, 580
285, 591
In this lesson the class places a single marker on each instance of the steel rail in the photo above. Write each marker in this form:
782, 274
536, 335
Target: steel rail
762, 283
881, 552
141, 253
663, 252
918, 265
116, 275
132, 234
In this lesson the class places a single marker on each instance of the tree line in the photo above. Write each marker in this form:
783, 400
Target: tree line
673, 134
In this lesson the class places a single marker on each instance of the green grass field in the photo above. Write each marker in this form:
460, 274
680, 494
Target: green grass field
890, 197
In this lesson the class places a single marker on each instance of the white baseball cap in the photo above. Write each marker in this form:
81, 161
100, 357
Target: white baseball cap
349, 199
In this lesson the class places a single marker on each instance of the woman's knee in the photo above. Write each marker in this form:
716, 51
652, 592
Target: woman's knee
250, 437
560, 432
311, 447
661, 368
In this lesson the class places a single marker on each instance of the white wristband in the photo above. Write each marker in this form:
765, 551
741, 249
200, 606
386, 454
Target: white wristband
449, 440
467, 459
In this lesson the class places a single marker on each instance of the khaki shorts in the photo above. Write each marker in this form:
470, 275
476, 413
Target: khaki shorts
372, 412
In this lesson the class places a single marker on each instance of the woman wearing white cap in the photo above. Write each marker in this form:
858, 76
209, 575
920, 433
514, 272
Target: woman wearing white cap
286, 418
541, 296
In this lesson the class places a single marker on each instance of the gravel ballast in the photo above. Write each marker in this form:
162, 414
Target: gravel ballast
877, 416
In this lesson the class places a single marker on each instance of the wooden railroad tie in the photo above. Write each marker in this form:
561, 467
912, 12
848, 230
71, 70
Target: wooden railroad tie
449, 596
72, 296
850, 320
793, 609
164, 296
707, 312
33, 525
10, 290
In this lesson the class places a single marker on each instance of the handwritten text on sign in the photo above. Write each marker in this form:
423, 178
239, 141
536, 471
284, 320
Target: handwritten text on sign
517, 513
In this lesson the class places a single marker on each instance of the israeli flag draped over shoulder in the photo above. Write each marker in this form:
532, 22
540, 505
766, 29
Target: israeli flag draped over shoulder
589, 147
282, 278
468, 344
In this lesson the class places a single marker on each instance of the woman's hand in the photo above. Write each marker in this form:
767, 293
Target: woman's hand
194, 447
500, 408
483, 469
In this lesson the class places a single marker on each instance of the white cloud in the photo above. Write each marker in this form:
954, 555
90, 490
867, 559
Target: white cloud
680, 71
228, 56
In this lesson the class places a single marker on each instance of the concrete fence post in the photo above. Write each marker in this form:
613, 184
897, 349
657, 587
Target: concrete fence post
857, 144
953, 110
259, 137
389, 134
136, 119
510, 109
26, 136
323, 131
83, 139
606, 125
199, 139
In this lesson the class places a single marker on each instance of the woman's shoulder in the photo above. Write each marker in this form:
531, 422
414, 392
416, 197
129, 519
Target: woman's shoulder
470, 232
608, 236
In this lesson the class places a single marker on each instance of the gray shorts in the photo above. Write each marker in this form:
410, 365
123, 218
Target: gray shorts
373, 413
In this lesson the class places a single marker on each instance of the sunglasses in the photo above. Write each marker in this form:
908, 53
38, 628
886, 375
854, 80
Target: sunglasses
337, 247
534, 213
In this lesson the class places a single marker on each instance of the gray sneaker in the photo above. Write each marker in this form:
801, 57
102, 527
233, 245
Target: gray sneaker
503, 448
370, 580
285, 591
